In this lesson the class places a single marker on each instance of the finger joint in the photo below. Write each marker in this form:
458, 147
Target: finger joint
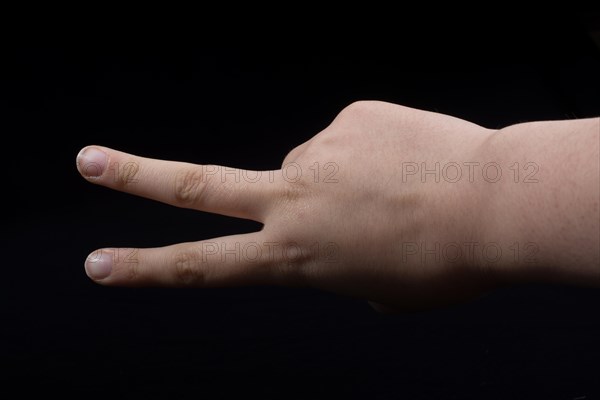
190, 187
188, 269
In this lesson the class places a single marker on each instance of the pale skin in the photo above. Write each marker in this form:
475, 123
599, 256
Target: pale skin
405, 208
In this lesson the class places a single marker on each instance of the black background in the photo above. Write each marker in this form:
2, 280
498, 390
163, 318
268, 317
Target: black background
246, 105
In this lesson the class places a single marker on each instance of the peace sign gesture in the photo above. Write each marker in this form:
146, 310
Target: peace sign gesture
378, 205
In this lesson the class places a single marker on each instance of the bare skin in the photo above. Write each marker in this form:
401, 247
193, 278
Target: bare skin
402, 207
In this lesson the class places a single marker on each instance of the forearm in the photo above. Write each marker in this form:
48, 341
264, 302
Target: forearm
544, 212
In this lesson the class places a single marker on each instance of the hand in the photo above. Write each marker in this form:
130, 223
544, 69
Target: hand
350, 211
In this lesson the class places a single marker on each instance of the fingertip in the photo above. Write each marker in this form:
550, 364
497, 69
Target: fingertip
91, 161
98, 265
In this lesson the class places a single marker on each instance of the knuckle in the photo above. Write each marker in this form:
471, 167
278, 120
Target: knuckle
293, 154
189, 186
360, 115
358, 108
187, 268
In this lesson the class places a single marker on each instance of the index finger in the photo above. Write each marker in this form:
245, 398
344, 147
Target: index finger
212, 188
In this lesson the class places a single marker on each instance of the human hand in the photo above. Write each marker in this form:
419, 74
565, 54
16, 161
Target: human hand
348, 212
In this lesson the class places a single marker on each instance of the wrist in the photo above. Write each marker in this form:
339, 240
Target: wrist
468, 242
543, 213
509, 185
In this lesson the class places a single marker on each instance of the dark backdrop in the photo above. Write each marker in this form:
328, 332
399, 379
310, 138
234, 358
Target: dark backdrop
246, 105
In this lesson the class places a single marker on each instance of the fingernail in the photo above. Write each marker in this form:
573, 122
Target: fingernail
91, 162
98, 265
